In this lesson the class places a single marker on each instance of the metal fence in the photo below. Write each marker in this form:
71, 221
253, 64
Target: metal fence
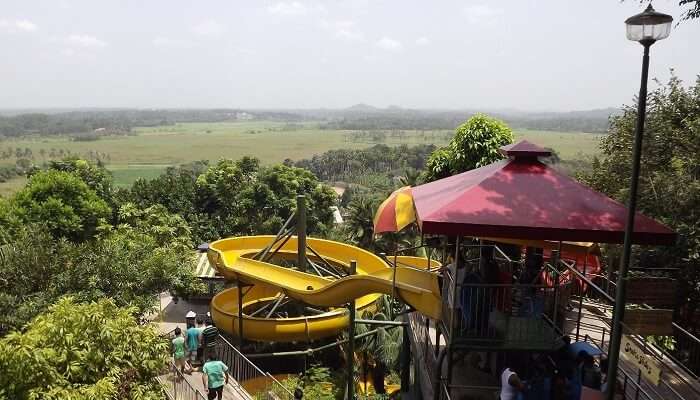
250, 379
489, 313
177, 387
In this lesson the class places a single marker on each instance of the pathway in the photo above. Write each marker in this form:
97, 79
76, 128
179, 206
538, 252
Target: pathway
232, 391
172, 315
676, 383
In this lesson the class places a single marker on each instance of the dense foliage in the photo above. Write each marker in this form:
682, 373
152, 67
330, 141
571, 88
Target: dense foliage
60, 235
82, 351
352, 165
236, 197
91, 124
371, 119
62, 202
475, 144
669, 186
127, 265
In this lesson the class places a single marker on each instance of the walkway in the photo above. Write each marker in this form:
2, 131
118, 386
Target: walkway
232, 391
676, 383
172, 315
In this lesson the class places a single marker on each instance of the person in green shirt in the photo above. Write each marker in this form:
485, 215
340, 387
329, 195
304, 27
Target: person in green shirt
179, 352
214, 377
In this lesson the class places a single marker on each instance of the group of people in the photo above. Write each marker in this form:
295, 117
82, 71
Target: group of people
557, 376
197, 345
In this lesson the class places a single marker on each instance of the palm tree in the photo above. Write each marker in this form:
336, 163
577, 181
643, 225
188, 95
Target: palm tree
359, 222
381, 349
410, 177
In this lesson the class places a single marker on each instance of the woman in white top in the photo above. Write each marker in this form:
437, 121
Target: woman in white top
510, 385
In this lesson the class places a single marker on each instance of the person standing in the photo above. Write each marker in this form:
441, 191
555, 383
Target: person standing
214, 377
511, 385
193, 341
208, 338
178, 346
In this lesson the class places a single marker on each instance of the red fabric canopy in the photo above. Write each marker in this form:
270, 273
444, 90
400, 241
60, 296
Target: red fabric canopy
522, 198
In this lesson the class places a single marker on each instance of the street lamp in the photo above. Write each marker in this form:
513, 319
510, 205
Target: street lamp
645, 28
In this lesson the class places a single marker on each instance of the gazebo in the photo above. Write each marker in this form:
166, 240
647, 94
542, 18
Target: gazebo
522, 201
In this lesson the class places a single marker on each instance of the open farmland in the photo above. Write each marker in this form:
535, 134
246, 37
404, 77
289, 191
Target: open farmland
149, 150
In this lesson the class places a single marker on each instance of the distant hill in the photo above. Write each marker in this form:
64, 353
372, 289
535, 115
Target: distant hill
362, 107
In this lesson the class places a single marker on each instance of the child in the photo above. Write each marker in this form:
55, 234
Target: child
179, 351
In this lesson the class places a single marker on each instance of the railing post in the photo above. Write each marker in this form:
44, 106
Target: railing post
602, 340
555, 264
450, 338
639, 382
580, 296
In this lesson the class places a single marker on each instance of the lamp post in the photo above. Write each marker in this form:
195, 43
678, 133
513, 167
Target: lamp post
645, 28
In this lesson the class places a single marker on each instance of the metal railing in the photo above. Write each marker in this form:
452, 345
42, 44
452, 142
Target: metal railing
250, 379
673, 365
427, 346
686, 349
177, 387
496, 312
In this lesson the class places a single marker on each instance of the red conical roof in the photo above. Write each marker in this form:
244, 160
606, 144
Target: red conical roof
522, 198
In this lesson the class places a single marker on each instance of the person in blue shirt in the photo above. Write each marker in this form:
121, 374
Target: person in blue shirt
193, 340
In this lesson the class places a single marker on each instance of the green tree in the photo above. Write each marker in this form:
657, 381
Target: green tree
410, 177
127, 265
691, 12
9, 222
476, 143
156, 222
63, 203
245, 198
82, 351
359, 222
95, 176
381, 351
669, 185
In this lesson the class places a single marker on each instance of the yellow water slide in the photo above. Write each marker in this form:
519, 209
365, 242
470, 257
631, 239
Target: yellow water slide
411, 281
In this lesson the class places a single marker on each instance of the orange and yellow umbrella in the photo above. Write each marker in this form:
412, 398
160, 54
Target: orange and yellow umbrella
396, 212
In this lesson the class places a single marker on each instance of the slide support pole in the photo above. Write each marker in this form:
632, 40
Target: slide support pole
301, 232
351, 342
240, 316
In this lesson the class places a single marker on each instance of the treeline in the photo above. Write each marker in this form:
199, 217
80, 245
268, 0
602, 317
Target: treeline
594, 121
102, 122
356, 165
91, 124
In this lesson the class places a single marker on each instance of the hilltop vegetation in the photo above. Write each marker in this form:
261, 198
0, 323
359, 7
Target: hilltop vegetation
88, 125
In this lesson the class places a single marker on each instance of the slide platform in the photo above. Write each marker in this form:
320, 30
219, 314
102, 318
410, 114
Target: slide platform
415, 285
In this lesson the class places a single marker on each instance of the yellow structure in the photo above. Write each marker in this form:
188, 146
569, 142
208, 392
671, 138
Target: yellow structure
413, 284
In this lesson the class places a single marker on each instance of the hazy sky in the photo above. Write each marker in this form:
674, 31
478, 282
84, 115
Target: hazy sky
525, 54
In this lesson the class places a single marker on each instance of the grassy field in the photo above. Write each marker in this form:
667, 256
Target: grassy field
150, 150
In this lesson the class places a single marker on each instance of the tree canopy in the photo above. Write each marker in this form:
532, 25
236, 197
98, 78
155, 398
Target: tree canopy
62, 202
81, 351
669, 185
237, 197
475, 144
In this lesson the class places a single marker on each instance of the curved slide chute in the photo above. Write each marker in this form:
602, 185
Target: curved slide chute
232, 257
